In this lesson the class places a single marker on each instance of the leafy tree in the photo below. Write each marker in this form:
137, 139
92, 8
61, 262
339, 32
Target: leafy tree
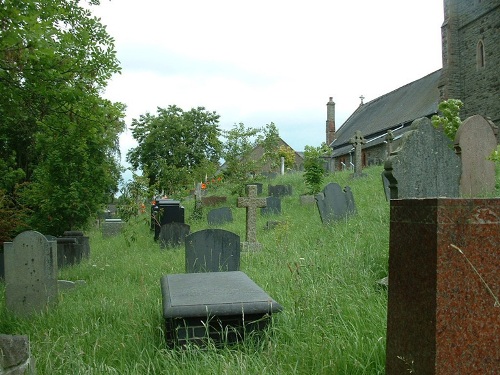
58, 137
313, 166
449, 120
270, 142
175, 147
288, 154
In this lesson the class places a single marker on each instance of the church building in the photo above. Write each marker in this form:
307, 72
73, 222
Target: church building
470, 38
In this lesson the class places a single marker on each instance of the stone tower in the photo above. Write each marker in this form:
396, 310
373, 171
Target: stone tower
330, 121
471, 57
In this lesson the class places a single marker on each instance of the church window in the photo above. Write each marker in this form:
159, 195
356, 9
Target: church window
480, 54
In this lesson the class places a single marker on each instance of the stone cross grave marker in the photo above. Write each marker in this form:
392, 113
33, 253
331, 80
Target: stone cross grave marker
252, 202
30, 273
474, 142
424, 165
389, 138
358, 141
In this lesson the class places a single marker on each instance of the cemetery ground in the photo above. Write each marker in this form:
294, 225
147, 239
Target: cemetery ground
325, 277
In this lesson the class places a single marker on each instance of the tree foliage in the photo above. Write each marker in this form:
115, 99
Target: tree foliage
449, 120
58, 136
313, 166
176, 148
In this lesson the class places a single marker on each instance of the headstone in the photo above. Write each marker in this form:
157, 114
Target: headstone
213, 200
273, 206
68, 252
307, 199
215, 308
259, 185
219, 216
385, 185
389, 138
112, 227
358, 141
279, 190
82, 240
474, 142
15, 355
443, 307
212, 250
173, 234
251, 203
165, 211
30, 273
424, 165
335, 203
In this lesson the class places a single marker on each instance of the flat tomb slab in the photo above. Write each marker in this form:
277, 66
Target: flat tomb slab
222, 306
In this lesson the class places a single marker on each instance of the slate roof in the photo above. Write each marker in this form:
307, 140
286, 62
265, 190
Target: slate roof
394, 110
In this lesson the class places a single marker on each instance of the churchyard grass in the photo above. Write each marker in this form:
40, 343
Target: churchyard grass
325, 276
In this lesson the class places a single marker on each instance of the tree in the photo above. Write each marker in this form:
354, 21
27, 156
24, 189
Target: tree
313, 166
175, 147
58, 137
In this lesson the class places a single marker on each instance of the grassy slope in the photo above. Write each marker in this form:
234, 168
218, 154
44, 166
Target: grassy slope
324, 275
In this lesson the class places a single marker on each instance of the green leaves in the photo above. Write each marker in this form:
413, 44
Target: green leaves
449, 120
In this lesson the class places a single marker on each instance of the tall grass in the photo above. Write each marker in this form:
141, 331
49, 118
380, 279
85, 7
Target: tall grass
334, 316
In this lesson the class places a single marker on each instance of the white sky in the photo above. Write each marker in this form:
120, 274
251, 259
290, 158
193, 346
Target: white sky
266, 61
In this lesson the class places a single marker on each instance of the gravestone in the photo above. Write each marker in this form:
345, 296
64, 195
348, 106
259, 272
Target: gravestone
165, 211
30, 273
15, 355
259, 185
424, 165
279, 190
474, 143
112, 227
443, 308
173, 234
68, 252
307, 199
212, 250
385, 185
219, 216
335, 203
273, 206
389, 138
358, 141
251, 203
213, 201
82, 240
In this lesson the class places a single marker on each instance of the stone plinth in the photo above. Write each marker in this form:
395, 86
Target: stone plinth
443, 310
219, 306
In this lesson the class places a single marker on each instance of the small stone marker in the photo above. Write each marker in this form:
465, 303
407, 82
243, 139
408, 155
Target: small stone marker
474, 143
335, 203
215, 307
443, 309
279, 190
251, 203
273, 206
219, 216
358, 141
112, 227
173, 234
424, 165
30, 273
212, 250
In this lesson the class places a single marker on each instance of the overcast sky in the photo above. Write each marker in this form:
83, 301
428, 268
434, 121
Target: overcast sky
266, 61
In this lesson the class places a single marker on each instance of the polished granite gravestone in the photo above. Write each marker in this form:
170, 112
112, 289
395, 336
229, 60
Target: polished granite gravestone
443, 309
273, 206
218, 307
165, 211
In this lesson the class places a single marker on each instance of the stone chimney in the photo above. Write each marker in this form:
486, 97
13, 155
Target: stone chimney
330, 121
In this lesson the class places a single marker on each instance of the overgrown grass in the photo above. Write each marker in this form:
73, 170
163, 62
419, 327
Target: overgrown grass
334, 316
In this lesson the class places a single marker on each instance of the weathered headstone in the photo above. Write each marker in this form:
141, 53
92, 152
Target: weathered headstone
259, 185
112, 227
273, 206
307, 199
82, 240
173, 234
335, 203
68, 252
424, 165
279, 190
219, 216
15, 355
213, 200
212, 250
30, 273
443, 307
474, 143
358, 141
251, 203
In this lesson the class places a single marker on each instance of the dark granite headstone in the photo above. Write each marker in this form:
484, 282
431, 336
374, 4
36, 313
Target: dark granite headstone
173, 234
259, 187
443, 309
217, 307
212, 250
424, 165
219, 216
68, 252
82, 240
279, 190
166, 211
334, 203
273, 206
